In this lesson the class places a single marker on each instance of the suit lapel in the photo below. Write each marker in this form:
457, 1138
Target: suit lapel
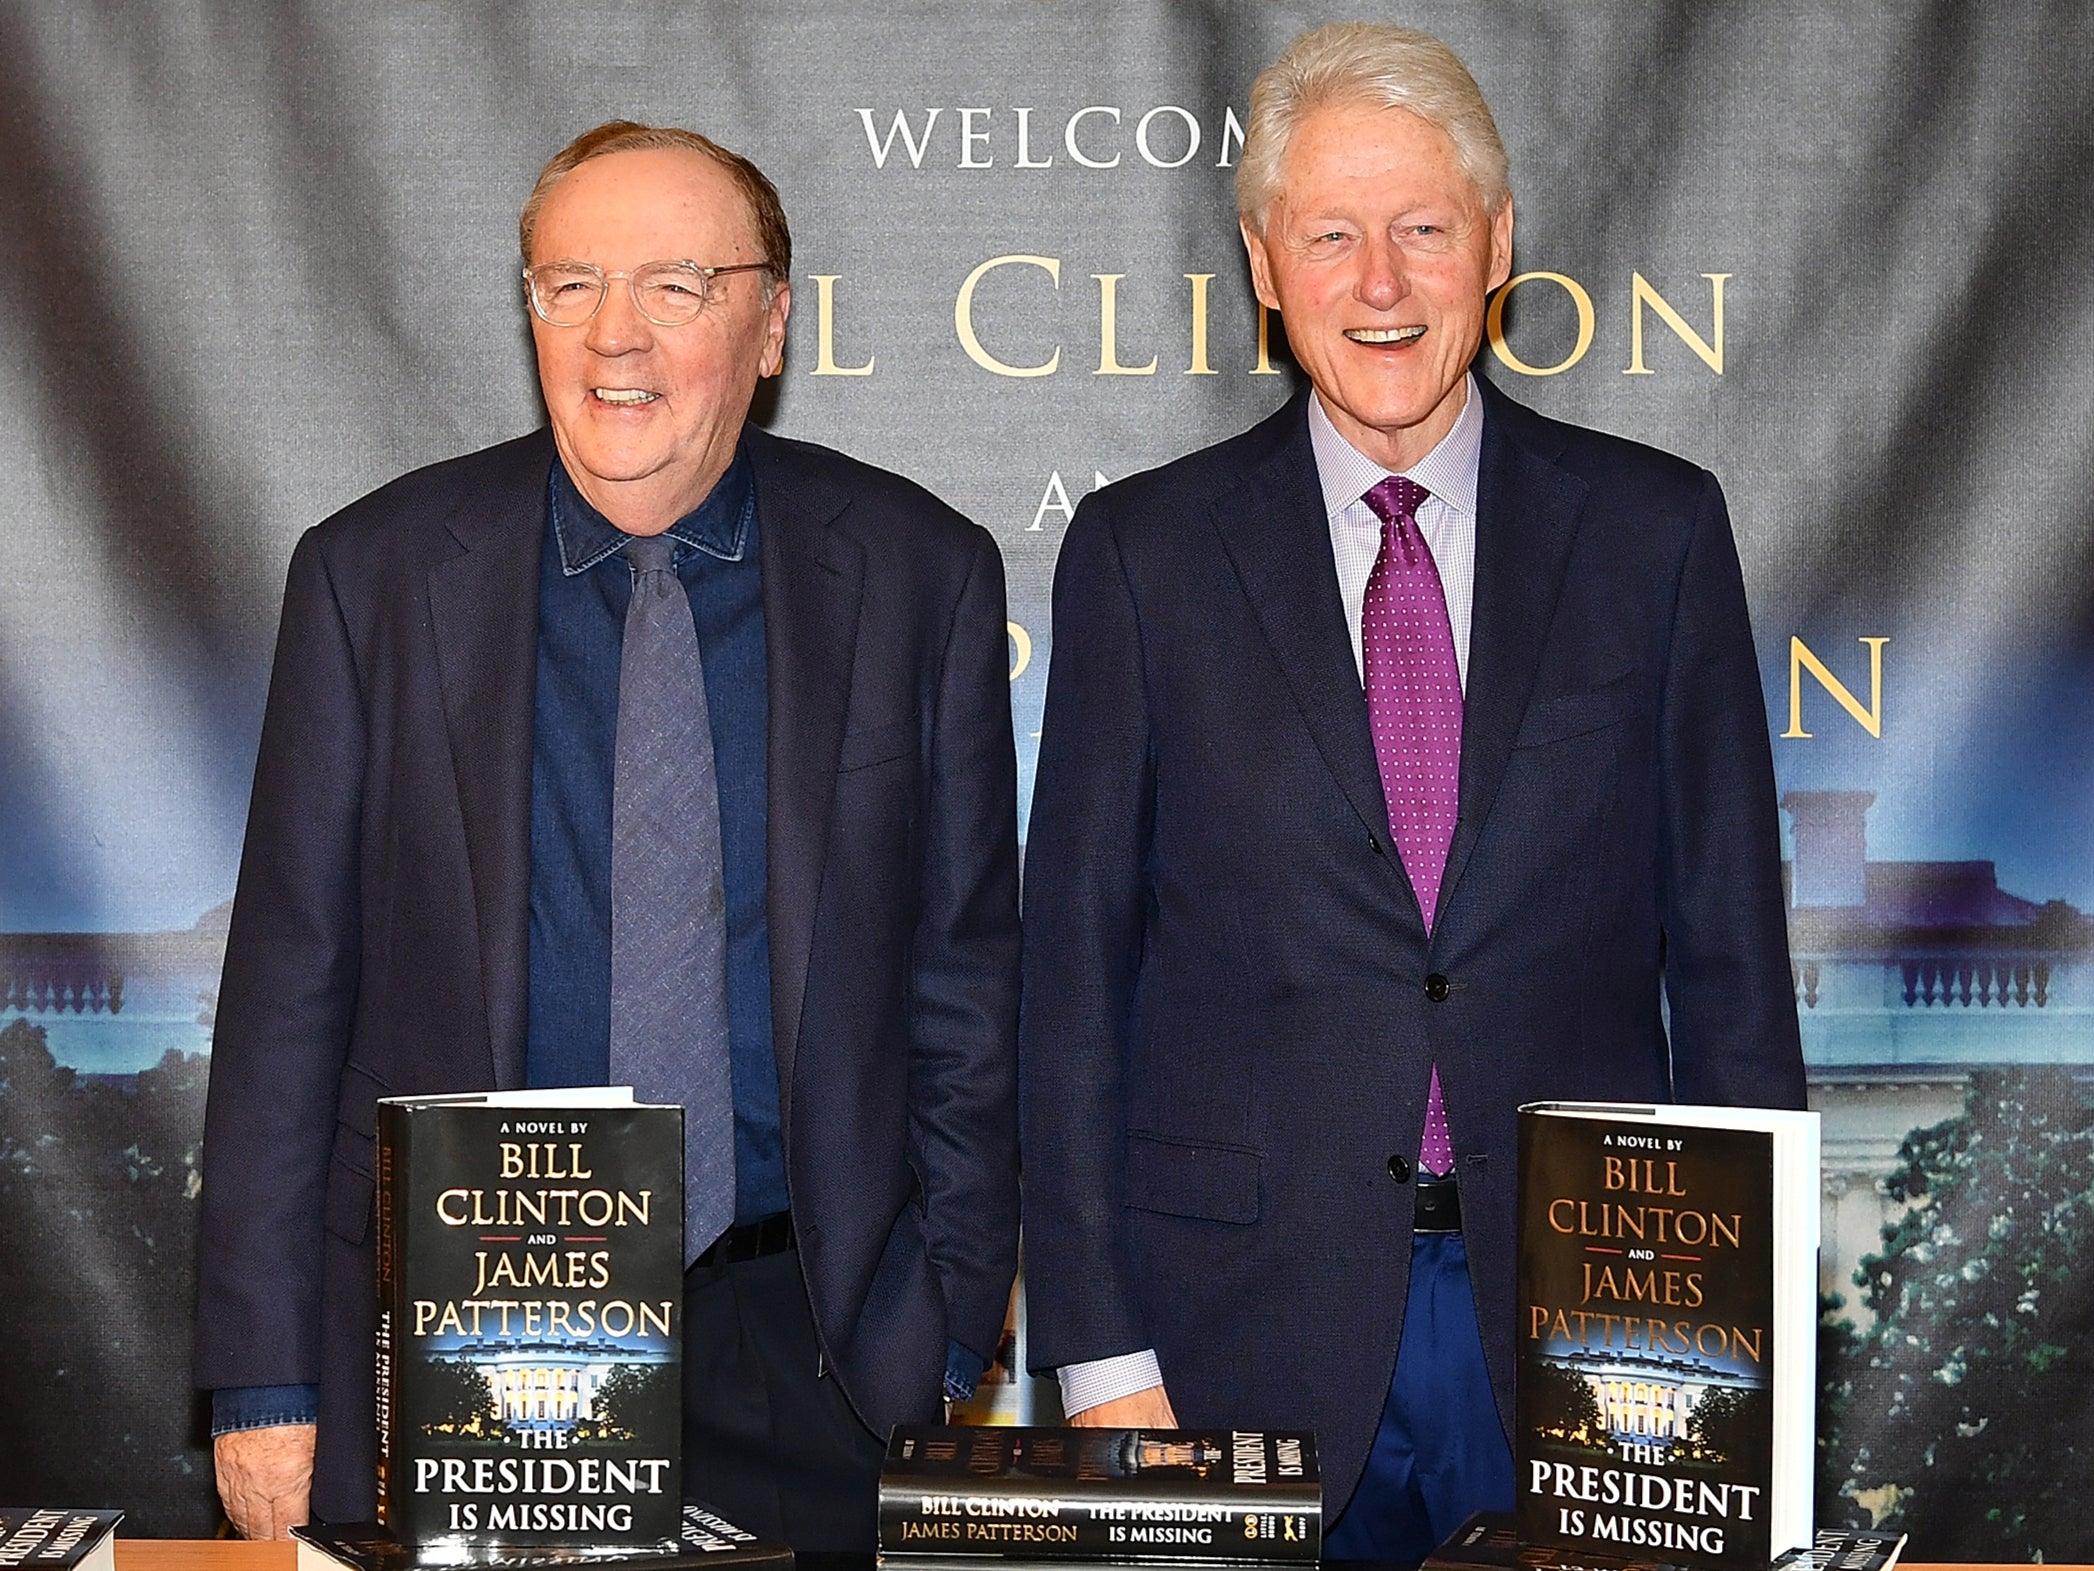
1526, 522
1277, 537
812, 577
483, 605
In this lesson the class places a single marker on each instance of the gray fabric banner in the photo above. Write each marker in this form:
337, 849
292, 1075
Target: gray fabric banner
259, 258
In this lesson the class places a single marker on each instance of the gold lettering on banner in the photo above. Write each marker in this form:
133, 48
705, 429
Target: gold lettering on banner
1021, 649
825, 331
1112, 354
1264, 367
1199, 366
963, 316
1109, 331
1494, 324
1802, 659
1642, 294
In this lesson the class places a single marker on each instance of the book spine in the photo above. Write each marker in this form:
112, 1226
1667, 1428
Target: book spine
1033, 1519
389, 1158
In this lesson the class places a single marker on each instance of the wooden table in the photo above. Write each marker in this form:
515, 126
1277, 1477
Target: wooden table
202, 1554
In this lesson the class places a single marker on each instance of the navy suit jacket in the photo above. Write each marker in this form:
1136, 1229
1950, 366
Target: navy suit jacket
1227, 1027
379, 937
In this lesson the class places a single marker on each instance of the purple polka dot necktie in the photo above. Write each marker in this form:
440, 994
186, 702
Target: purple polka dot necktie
1414, 713
1413, 689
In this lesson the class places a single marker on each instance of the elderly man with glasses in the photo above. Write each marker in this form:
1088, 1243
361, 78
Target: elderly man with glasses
656, 749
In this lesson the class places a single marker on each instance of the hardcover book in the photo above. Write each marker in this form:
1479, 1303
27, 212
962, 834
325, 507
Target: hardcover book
1667, 1333
1100, 1494
1485, 1541
530, 1319
707, 1540
1845, 1549
56, 1540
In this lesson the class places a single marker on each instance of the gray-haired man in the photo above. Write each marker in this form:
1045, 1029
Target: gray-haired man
1397, 753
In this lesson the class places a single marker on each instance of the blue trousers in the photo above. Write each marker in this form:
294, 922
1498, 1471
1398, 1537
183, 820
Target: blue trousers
1440, 1452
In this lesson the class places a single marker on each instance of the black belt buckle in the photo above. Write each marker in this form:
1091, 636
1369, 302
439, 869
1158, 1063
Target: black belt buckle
1439, 1206
768, 1235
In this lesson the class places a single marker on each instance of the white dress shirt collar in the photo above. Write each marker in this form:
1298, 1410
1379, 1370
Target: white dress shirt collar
1448, 471
1446, 518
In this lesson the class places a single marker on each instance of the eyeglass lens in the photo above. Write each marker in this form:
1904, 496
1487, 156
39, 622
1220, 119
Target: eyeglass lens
670, 293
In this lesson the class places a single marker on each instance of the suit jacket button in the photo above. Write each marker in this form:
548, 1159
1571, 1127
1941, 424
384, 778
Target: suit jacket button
1400, 1168
1436, 988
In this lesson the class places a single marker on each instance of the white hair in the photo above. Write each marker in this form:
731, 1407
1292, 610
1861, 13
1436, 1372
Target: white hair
1366, 63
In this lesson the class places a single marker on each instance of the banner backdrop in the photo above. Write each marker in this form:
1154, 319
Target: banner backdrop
259, 258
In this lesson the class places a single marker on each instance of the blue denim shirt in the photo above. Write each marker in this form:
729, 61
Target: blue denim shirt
584, 587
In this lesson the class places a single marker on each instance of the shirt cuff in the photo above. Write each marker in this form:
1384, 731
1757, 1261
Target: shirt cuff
963, 1371
263, 1407
1099, 1380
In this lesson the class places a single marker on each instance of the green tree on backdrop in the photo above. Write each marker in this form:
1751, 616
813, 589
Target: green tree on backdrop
1962, 1416
98, 1185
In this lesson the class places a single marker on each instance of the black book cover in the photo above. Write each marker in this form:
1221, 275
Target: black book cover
707, 1540
1646, 1372
1845, 1549
57, 1540
1485, 1541
1110, 1494
530, 1321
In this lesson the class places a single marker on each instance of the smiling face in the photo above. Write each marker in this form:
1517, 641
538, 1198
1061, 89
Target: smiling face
646, 417
1378, 254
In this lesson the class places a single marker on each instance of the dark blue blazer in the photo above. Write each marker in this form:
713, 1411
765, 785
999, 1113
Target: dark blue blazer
1227, 1027
380, 934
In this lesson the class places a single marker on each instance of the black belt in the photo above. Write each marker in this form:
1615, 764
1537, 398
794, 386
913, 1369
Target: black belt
1439, 1206
768, 1235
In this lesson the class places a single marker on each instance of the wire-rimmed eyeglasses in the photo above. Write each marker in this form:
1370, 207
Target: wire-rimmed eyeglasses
669, 294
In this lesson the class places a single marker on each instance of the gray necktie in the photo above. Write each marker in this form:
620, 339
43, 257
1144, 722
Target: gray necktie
668, 897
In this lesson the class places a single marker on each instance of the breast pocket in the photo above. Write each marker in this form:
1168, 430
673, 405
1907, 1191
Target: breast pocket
1577, 714
879, 744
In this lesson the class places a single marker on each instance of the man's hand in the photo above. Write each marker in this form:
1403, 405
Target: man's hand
264, 1477
1150, 1409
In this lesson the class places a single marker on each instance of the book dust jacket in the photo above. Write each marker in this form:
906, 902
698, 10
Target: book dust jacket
530, 1304
1645, 1376
1100, 1494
